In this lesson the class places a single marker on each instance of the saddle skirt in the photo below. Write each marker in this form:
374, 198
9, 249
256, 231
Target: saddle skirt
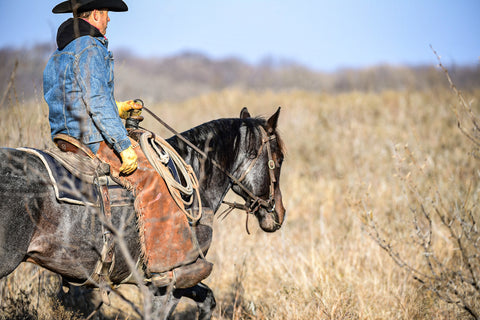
76, 178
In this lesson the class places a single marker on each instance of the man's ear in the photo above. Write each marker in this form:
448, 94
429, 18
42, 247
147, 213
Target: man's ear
95, 15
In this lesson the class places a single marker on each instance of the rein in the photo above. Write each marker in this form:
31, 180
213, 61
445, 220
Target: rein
256, 202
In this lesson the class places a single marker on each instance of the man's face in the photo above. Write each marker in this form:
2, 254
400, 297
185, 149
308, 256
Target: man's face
103, 21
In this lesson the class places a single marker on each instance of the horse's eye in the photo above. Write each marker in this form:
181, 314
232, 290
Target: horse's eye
278, 160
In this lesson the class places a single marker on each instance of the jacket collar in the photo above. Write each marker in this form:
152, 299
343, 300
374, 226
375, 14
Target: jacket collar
75, 28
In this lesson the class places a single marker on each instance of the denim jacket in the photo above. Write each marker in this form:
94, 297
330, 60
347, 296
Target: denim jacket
79, 88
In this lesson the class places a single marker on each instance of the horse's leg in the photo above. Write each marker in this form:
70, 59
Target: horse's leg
204, 298
16, 230
19, 208
164, 303
12, 253
77, 298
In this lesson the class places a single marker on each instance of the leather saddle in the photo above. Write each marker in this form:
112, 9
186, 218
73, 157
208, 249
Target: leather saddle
80, 177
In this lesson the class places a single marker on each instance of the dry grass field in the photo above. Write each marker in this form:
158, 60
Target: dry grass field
352, 159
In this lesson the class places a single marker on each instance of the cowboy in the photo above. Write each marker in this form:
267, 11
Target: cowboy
78, 87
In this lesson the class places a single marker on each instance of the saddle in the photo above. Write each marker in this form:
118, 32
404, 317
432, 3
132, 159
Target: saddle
167, 244
168, 238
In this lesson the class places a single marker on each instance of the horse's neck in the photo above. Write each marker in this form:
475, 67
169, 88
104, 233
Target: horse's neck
214, 184
213, 191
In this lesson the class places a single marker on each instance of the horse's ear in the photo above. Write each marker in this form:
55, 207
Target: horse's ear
272, 122
244, 114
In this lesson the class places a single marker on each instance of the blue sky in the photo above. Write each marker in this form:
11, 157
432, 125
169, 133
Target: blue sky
324, 35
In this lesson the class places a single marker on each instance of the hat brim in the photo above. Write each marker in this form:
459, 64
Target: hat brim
110, 5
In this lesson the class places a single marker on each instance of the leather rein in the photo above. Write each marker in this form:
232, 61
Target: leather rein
255, 202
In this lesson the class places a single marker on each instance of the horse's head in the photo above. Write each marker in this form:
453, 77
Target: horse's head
259, 172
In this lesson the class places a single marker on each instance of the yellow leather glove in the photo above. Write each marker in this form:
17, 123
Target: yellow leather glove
125, 106
129, 160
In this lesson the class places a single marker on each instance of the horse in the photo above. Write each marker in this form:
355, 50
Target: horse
244, 155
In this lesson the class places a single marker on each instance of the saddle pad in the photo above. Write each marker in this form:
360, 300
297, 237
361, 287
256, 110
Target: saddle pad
71, 189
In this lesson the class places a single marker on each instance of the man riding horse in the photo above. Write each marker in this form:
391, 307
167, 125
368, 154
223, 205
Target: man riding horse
79, 90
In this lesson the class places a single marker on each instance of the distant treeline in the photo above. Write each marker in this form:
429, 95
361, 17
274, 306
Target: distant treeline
190, 74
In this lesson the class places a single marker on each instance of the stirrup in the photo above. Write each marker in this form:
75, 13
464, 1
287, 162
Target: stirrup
192, 274
163, 279
184, 276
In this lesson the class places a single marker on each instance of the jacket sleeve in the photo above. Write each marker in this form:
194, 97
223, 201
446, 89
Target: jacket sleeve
95, 75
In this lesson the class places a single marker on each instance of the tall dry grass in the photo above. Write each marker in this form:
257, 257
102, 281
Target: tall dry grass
346, 155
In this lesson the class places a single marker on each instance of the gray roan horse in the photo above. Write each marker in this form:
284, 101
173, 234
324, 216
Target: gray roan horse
67, 238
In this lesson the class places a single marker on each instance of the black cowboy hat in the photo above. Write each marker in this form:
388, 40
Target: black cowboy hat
88, 5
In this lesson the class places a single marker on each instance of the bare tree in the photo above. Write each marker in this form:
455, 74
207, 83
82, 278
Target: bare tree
445, 233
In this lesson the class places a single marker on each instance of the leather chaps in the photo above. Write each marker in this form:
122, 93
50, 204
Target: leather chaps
164, 229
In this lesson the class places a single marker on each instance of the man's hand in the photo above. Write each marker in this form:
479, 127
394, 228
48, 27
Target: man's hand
129, 160
125, 106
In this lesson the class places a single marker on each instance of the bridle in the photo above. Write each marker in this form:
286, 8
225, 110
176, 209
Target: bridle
255, 202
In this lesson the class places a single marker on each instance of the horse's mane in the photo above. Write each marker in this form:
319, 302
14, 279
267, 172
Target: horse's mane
222, 137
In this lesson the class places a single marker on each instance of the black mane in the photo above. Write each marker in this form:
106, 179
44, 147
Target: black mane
223, 137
